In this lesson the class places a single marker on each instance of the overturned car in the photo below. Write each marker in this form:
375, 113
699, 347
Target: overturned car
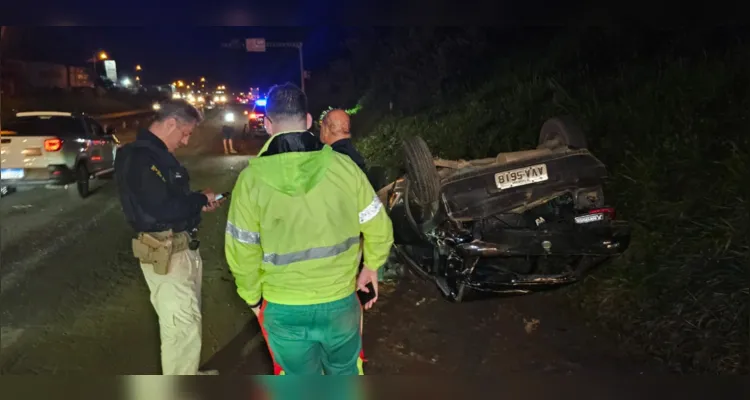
516, 223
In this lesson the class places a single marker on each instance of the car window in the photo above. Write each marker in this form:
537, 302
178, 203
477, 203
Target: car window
45, 126
95, 128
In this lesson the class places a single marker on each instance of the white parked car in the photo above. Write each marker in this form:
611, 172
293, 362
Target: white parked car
55, 148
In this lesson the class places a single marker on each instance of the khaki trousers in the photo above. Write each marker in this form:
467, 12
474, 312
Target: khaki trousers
176, 298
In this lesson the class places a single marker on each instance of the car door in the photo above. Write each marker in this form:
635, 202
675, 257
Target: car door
103, 147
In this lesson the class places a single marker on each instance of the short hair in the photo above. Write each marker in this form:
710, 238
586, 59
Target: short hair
336, 129
286, 103
326, 117
178, 109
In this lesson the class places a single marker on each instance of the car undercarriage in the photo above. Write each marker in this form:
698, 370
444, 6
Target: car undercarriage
516, 223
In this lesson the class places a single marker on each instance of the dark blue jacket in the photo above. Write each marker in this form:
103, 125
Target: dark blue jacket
154, 189
346, 147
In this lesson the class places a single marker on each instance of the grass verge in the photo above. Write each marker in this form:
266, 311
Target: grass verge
673, 132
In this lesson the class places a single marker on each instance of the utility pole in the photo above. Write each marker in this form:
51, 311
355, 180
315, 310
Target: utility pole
2, 55
298, 46
301, 68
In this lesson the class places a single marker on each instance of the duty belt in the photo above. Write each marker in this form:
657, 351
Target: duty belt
181, 240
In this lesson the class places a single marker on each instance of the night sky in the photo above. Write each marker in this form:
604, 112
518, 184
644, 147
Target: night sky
171, 53
167, 49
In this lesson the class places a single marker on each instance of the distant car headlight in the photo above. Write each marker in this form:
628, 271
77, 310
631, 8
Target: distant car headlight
223, 98
156, 106
229, 117
216, 98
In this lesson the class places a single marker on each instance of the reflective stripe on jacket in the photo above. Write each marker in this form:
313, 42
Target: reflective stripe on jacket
294, 224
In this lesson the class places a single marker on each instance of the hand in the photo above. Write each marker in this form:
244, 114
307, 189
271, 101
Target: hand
212, 203
365, 277
211, 206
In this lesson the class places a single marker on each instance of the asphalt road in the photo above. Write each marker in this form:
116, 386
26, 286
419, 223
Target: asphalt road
73, 299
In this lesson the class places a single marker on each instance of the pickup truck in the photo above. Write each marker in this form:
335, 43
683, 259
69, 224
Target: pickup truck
41, 148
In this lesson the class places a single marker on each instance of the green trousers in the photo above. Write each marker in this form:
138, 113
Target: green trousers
314, 339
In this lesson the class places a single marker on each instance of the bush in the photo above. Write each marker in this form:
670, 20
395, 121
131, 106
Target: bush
672, 129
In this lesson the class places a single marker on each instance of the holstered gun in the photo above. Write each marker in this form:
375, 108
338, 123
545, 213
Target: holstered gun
156, 248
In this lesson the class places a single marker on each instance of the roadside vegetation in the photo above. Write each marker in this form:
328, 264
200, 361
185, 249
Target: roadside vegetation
668, 114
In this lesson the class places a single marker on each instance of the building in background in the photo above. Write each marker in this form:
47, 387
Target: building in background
79, 77
20, 77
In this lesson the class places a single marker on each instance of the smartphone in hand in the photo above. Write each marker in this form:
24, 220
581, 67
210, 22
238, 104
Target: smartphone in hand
222, 196
366, 297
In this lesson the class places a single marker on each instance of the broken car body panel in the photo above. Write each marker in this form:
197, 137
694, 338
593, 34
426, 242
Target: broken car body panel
517, 223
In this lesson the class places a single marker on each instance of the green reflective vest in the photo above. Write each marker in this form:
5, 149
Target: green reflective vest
294, 225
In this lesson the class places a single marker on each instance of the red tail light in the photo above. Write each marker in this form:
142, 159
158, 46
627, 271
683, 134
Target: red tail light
609, 211
52, 144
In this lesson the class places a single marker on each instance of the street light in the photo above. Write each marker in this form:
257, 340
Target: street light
138, 67
203, 79
103, 56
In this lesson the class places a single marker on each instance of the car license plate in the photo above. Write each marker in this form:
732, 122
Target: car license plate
32, 152
11, 173
585, 219
521, 176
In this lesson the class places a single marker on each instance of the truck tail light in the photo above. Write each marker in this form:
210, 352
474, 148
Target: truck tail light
52, 145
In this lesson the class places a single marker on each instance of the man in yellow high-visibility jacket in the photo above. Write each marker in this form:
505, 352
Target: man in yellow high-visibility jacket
292, 242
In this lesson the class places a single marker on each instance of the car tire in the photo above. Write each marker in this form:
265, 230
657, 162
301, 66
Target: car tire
565, 130
421, 172
83, 181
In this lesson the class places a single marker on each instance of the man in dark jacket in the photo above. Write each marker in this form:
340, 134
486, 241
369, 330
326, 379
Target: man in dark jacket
335, 132
154, 190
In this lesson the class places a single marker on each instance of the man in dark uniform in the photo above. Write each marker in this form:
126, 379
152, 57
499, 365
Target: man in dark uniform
335, 132
155, 194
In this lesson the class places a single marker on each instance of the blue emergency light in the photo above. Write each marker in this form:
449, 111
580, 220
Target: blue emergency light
260, 102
